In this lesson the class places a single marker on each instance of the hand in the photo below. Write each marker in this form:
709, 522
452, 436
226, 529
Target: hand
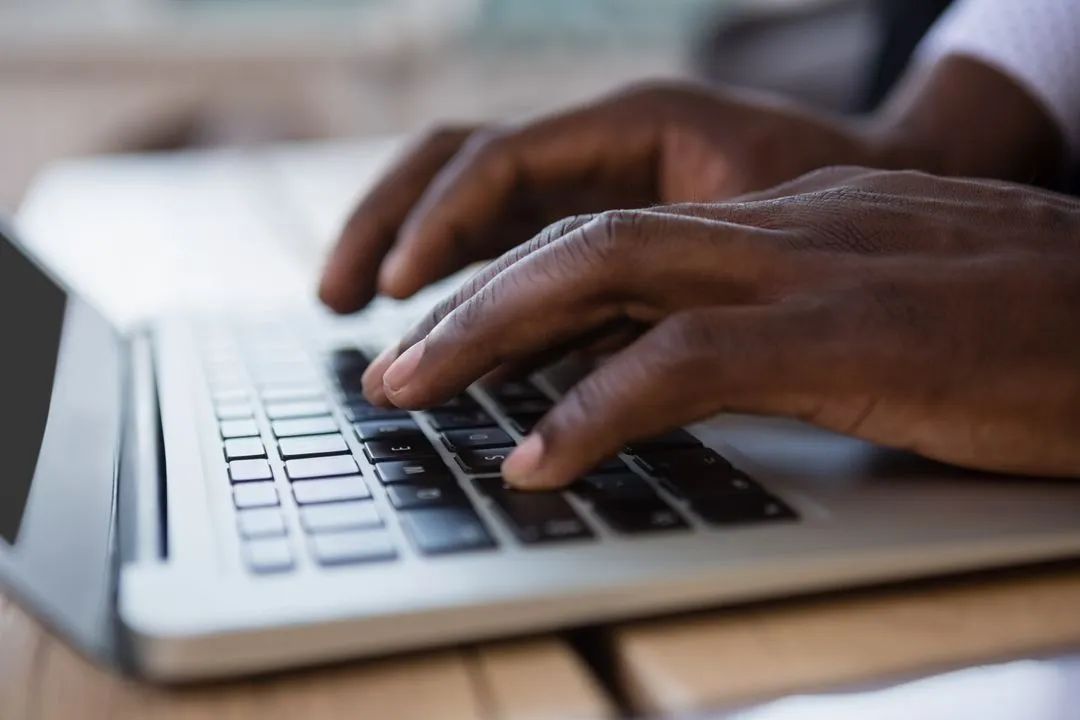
934, 315
468, 194
462, 195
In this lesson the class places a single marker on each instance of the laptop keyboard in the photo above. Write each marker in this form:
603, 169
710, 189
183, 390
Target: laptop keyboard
273, 401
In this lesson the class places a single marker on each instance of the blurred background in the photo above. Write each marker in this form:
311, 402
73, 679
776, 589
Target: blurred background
81, 77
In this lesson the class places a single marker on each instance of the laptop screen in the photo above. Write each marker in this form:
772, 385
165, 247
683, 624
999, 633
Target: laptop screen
31, 318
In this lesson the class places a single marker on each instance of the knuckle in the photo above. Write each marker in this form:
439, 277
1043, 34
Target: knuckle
687, 339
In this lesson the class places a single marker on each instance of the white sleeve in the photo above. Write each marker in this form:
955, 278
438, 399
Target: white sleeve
1035, 42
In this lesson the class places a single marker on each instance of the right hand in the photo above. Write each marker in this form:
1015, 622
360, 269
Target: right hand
462, 195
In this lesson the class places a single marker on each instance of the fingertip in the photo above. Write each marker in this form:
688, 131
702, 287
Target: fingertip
522, 468
341, 293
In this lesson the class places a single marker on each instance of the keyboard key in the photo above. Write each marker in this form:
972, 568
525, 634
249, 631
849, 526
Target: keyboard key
255, 494
348, 360
297, 409
741, 507
437, 531
249, 470
268, 555
480, 462
387, 429
406, 496
524, 422
527, 407
340, 516
308, 492
475, 438
260, 522
668, 441
535, 517
234, 411
238, 429
721, 482
640, 517
312, 445
457, 419
413, 471
623, 487
403, 449
516, 390
355, 546
291, 393
304, 426
461, 402
227, 397
244, 448
361, 411
684, 462
317, 467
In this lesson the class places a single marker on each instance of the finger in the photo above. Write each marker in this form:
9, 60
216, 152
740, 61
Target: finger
373, 376
765, 360
618, 266
457, 219
348, 280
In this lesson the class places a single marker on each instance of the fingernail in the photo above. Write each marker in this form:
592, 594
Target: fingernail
524, 461
399, 373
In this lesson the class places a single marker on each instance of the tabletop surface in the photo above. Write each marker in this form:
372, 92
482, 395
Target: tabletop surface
841, 648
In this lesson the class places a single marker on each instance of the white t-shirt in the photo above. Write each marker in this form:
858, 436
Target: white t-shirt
1035, 42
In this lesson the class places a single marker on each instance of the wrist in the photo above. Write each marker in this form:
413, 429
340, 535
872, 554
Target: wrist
961, 117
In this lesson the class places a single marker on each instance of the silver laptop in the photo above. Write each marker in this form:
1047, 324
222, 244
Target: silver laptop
213, 496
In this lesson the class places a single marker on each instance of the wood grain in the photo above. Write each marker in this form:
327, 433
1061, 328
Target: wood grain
732, 657
42, 679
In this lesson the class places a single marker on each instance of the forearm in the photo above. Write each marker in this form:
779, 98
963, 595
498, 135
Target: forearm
962, 117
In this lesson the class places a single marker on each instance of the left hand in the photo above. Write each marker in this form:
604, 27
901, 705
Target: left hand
934, 315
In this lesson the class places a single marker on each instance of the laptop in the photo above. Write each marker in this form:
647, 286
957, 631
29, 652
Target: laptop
211, 495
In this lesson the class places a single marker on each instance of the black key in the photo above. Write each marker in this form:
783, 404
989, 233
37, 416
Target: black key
304, 426
353, 546
524, 422
238, 429
312, 446
403, 449
535, 517
614, 487
421, 471
457, 419
318, 467
685, 462
362, 411
673, 440
527, 407
387, 429
516, 390
638, 517
244, 448
741, 507
348, 360
407, 496
479, 462
476, 438
437, 531
461, 402
701, 485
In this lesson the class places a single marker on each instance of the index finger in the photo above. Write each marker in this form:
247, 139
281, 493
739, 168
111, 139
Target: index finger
349, 277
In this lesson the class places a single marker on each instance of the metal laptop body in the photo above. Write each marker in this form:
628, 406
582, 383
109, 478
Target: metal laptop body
128, 544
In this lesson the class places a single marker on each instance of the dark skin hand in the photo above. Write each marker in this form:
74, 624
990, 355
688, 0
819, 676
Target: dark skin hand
930, 314
462, 195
